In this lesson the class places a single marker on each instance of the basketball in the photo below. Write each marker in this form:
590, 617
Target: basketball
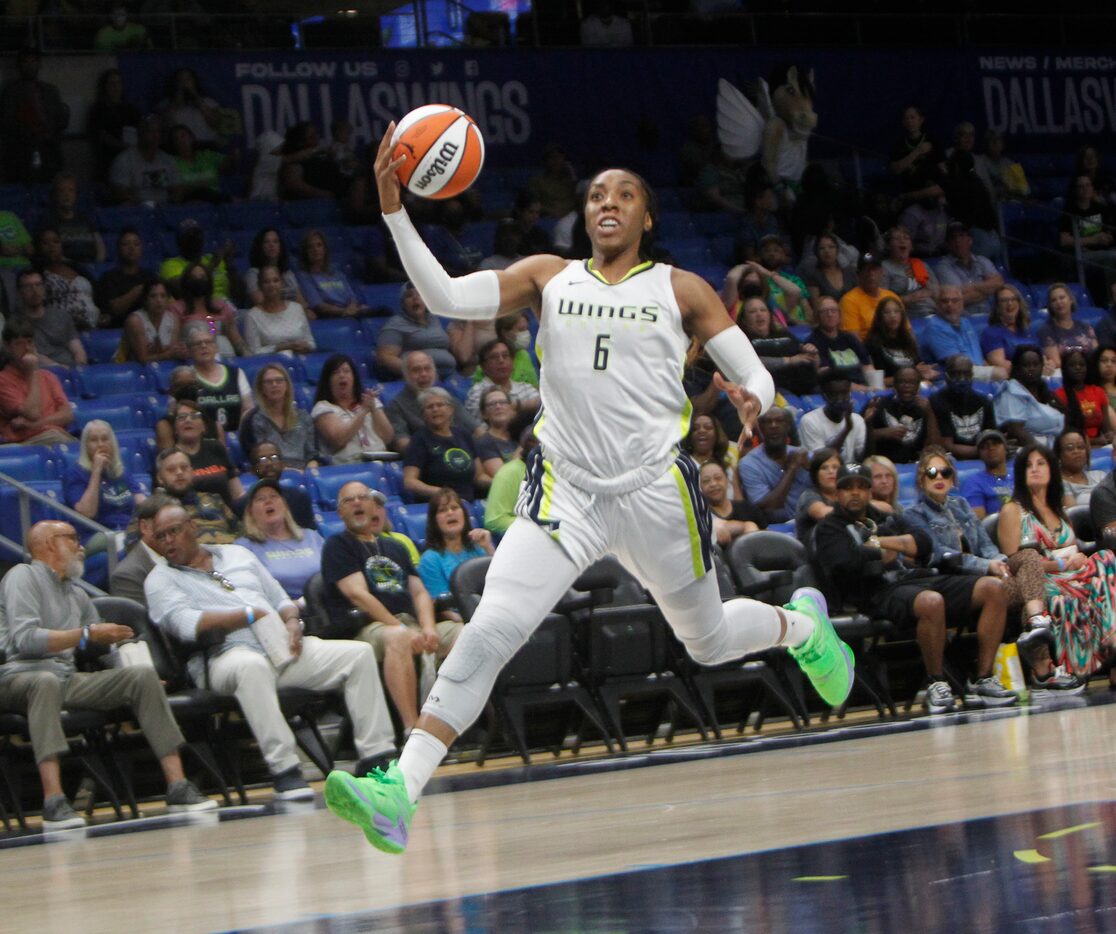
444, 150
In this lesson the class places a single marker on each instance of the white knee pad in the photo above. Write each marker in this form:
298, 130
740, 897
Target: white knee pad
466, 677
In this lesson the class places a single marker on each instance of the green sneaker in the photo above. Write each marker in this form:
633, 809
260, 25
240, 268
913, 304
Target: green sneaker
377, 804
825, 659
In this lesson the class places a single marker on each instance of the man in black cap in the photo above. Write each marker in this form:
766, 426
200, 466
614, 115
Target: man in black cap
990, 488
877, 564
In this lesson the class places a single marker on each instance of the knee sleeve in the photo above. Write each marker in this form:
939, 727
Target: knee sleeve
466, 677
715, 632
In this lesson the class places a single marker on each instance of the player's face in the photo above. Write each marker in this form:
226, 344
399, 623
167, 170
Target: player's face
616, 212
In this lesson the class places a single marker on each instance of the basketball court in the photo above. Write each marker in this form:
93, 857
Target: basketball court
991, 821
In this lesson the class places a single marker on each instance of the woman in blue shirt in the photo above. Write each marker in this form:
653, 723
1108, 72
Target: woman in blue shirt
327, 289
98, 486
1009, 327
451, 540
291, 553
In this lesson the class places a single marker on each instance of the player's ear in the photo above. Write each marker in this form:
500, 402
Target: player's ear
648, 222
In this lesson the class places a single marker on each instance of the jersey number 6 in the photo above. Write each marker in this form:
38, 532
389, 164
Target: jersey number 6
600, 355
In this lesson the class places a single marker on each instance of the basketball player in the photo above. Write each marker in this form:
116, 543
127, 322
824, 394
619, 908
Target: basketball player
608, 476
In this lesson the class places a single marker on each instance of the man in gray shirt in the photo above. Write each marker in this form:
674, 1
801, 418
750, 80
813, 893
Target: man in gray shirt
56, 338
144, 173
975, 275
44, 617
404, 411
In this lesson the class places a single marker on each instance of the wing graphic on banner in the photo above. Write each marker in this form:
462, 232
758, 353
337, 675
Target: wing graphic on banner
739, 123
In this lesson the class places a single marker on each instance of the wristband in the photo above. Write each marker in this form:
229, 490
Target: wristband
250, 615
84, 643
1061, 562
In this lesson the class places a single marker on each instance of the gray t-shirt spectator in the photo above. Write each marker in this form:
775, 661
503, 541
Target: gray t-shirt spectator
405, 415
54, 330
150, 180
899, 281
407, 334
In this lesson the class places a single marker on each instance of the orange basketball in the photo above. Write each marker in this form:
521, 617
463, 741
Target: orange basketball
444, 150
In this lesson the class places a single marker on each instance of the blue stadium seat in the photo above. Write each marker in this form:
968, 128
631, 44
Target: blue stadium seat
714, 223
10, 517
1089, 315
687, 251
101, 344
315, 212
393, 478
304, 396
1101, 459
236, 452
159, 373
252, 216
382, 295
111, 220
137, 454
329, 523
250, 366
338, 335
479, 235
390, 390
69, 378
458, 385
122, 412
326, 482
113, 379
29, 462
674, 224
413, 522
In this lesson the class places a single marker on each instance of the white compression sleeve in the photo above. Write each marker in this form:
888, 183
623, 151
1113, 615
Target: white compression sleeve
475, 297
737, 359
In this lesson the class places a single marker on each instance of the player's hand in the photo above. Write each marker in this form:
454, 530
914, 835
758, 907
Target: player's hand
746, 404
384, 167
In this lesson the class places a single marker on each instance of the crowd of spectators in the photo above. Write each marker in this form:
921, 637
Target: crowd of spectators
907, 354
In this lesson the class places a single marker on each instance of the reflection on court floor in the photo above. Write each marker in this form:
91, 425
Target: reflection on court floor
1048, 870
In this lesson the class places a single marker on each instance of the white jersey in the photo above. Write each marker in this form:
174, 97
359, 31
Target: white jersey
612, 357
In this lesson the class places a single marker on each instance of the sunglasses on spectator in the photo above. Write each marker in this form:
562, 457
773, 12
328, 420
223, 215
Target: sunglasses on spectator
946, 473
355, 498
268, 459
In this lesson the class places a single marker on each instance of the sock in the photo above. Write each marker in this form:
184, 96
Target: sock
421, 754
799, 628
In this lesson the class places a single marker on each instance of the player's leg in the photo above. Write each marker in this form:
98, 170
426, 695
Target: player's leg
669, 550
529, 574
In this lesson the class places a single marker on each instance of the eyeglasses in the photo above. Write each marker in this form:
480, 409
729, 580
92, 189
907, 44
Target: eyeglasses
356, 498
222, 580
189, 417
268, 459
274, 380
946, 473
1007, 300
496, 402
173, 531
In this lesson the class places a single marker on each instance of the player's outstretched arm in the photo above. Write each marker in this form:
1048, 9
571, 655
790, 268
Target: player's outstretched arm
745, 381
478, 296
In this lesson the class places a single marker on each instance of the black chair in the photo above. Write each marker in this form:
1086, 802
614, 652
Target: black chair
991, 525
1082, 523
197, 711
628, 650
770, 566
541, 674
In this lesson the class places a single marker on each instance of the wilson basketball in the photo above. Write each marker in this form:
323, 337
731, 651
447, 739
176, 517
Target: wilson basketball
444, 150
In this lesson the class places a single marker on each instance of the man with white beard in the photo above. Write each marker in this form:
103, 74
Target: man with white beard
44, 617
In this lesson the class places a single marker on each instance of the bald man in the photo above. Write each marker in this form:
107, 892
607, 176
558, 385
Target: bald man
44, 617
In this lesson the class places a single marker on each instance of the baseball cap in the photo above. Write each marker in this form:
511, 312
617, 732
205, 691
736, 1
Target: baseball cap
868, 259
991, 434
267, 483
956, 227
854, 472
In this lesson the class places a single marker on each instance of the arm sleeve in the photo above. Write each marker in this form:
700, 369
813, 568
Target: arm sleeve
736, 358
474, 297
